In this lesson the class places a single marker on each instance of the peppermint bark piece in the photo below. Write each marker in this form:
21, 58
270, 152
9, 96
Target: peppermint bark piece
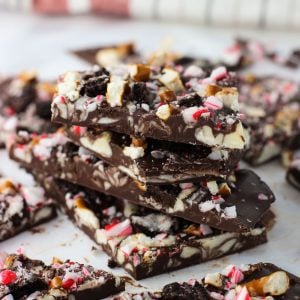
154, 161
81, 281
233, 204
25, 104
248, 282
145, 242
272, 109
20, 275
22, 207
187, 106
256, 281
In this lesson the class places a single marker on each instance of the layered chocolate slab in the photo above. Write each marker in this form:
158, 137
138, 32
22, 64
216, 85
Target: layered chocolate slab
155, 161
236, 203
272, 111
185, 105
248, 282
22, 207
145, 242
22, 277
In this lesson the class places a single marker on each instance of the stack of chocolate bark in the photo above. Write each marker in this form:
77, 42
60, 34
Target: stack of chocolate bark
147, 165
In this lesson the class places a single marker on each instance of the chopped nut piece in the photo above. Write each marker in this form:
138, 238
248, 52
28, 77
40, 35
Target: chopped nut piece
275, 284
213, 187
167, 96
115, 92
214, 279
139, 72
134, 152
171, 79
164, 112
9, 260
229, 97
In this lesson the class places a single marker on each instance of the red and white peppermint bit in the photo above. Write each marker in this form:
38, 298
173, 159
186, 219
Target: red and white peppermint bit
228, 270
256, 49
218, 73
7, 277
232, 55
20, 250
262, 196
192, 281
136, 260
99, 98
193, 71
201, 112
79, 130
85, 271
217, 199
69, 284
161, 236
60, 99
213, 103
236, 275
289, 88
243, 294
188, 113
109, 211
120, 229
216, 296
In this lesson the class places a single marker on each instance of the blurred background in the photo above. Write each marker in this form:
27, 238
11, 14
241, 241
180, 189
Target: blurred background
39, 34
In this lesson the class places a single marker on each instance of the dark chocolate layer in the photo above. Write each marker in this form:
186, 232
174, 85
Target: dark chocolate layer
156, 162
191, 105
235, 204
145, 242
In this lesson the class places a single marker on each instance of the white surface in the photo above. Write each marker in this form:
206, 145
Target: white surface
32, 42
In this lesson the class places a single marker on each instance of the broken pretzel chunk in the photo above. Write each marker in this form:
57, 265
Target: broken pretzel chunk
139, 72
115, 91
7, 186
167, 96
171, 79
211, 90
109, 57
275, 284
